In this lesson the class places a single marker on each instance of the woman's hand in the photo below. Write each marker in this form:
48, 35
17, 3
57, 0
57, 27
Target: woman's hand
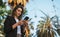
17, 24
25, 22
21, 22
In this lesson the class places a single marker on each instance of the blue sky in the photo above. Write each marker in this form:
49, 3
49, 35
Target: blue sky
34, 7
45, 5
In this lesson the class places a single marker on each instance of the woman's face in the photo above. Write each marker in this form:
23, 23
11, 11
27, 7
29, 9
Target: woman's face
18, 12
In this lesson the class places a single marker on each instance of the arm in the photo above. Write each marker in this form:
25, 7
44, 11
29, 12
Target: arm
7, 25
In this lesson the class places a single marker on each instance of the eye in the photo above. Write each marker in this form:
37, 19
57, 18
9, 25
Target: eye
19, 10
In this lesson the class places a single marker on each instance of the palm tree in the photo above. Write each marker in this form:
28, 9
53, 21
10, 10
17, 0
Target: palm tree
44, 27
13, 3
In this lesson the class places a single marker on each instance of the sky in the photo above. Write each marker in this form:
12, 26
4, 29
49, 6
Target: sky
34, 7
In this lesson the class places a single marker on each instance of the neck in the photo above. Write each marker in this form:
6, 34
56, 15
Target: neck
16, 17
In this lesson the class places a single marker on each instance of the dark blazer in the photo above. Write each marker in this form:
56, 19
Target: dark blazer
9, 32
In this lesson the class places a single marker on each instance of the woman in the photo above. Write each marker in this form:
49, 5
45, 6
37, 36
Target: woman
12, 23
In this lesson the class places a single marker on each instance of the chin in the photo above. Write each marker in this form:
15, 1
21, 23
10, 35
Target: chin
18, 15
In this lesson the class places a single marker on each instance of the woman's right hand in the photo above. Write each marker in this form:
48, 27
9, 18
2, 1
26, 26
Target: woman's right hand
17, 24
20, 22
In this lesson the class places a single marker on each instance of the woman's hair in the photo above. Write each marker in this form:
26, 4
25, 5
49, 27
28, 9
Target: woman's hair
18, 6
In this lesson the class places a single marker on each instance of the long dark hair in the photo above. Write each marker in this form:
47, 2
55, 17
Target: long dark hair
18, 6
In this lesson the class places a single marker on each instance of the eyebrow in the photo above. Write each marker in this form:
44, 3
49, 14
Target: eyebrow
19, 10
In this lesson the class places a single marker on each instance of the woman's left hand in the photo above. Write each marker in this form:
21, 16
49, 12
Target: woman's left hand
26, 22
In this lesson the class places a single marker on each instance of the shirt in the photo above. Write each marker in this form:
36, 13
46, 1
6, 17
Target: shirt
18, 27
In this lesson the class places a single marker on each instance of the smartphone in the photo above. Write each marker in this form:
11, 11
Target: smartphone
26, 18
